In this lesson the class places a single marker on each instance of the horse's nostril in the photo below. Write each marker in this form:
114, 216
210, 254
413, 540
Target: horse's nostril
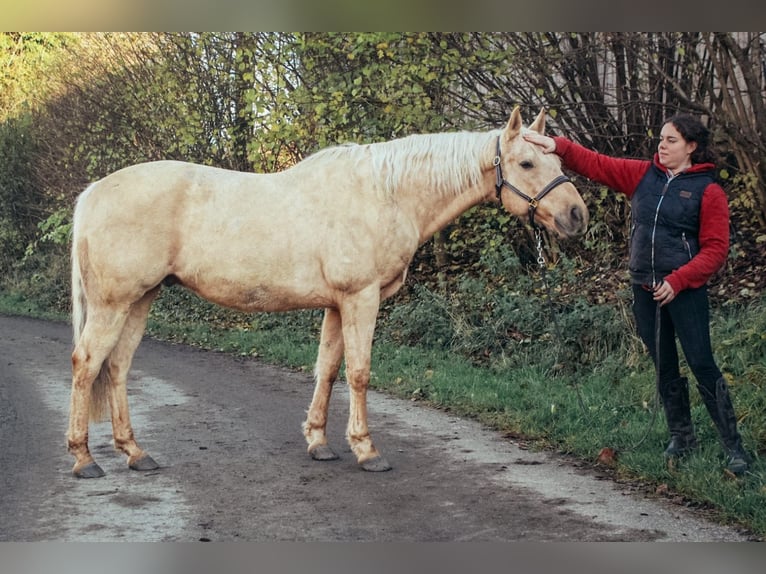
578, 219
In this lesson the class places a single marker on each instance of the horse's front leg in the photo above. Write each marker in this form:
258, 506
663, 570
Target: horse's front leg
328, 364
358, 317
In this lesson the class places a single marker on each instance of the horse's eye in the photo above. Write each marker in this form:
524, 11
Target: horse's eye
526, 164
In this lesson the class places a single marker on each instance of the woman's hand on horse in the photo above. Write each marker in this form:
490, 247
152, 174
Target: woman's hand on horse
547, 143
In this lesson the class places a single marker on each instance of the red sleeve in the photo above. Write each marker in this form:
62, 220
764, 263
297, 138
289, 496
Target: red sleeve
622, 175
714, 242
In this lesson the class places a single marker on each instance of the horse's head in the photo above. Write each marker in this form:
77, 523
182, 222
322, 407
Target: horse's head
531, 183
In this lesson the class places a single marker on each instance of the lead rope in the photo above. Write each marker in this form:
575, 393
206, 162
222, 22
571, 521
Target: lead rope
551, 310
656, 401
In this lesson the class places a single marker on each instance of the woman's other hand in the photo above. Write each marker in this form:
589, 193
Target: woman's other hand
664, 293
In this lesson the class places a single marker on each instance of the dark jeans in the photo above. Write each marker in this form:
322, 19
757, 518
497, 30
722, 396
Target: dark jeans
687, 317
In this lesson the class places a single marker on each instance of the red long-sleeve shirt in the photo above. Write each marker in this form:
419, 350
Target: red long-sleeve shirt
623, 176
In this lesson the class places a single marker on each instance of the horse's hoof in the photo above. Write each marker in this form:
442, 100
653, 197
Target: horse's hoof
376, 464
144, 463
323, 452
91, 470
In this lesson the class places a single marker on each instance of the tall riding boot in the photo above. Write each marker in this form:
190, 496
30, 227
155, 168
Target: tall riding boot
675, 399
718, 403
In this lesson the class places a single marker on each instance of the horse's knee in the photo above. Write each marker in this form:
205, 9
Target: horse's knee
84, 368
358, 379
79, 360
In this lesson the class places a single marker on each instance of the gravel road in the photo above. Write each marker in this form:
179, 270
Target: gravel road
226, 433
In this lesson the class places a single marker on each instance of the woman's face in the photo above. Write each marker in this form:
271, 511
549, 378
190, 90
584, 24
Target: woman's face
674, 151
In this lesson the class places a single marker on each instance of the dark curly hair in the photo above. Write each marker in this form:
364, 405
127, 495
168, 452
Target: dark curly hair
693, 130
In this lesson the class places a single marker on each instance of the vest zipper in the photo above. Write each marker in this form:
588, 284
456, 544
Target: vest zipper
686, 244
654, 229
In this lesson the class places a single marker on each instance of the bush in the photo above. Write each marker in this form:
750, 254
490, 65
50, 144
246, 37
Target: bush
503, 317
18, 204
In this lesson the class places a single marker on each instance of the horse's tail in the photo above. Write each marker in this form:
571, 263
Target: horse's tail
79, 303
99, 397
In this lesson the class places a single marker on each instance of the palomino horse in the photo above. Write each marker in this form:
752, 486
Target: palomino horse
336, 231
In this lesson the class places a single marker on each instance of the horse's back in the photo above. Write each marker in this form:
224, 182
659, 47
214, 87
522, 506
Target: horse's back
152, 181
159, 194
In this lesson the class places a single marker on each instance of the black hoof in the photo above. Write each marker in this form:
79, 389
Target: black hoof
91, 470
144, 463
377, 464
323, 452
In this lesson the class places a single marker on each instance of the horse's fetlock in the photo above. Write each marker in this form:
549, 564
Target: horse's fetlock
358, 438
364, 450
315, 434
124, 446
77, 444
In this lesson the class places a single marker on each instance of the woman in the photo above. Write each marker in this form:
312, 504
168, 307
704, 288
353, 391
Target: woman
679, 239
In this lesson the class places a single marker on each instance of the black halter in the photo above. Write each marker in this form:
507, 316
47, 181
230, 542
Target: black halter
533, 201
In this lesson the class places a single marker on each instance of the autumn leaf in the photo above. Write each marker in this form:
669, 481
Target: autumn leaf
607, 456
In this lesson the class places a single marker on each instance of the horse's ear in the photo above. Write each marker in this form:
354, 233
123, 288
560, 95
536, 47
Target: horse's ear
514, 124
539, 124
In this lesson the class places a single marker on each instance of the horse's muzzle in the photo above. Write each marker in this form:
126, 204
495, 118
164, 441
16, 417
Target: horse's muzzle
574, 223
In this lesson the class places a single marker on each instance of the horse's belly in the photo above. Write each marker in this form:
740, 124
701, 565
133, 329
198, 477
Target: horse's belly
259, 297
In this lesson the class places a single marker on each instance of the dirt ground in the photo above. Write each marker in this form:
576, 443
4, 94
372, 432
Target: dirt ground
226, 432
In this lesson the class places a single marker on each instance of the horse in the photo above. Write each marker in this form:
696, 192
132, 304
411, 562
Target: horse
335, 231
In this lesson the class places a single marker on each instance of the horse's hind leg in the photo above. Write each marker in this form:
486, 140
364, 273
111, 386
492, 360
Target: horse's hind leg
99, 337
328, 364
119, 364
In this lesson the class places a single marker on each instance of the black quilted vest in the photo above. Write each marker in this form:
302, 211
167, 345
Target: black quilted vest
665, 223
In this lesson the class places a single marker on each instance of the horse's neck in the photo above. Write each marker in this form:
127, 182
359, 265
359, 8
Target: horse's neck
434, 212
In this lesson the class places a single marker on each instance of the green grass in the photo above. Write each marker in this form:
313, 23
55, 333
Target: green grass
608, 402
15, 303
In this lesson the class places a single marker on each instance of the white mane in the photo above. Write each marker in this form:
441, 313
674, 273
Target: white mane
442, 162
